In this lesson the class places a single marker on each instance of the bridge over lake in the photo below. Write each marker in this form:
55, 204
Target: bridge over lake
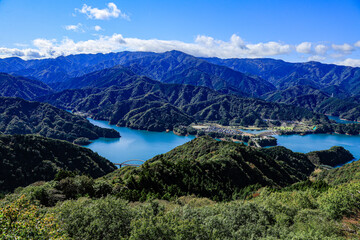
128, 163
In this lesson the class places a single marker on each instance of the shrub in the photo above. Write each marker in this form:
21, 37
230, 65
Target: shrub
105, 218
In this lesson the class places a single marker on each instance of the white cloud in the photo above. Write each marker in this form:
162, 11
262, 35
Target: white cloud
321, 49
343, 49
97, 28
350, 62
357, 44
76, 28
304, 47
22, 53
203, 46
103, 14
316, 58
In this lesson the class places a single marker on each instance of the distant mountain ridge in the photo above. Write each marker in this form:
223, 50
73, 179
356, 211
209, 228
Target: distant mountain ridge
139, 102
169, 67
181, 68
324, 88
174, 63
285, 74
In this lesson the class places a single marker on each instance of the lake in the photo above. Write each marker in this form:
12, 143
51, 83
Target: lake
134, 144
140, 144
339, 120
314, 142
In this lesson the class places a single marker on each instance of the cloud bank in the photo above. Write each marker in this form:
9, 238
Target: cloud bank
203, 46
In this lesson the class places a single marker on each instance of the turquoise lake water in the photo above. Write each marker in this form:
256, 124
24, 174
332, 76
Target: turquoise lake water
140, 144
314, 142
338, 120
134, 144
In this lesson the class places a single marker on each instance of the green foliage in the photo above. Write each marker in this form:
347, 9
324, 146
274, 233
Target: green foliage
25, 159
344, 174
64, 174
303, 211
341, 200
82, 141
209, 168
350, 129
321, 186
105, 218
21, 219
76, 187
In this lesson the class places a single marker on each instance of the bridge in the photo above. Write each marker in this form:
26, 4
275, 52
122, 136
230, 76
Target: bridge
126, 163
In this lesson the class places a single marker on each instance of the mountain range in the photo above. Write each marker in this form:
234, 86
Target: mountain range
323, 88
341, 81
126, 99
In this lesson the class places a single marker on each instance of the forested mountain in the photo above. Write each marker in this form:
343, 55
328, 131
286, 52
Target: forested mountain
311, 85
318, 101
181, 68
178, 67
219, 170
140, 102
18, 116
64, 68
169, 67
26, 159
284, 74
99, 79
15, 86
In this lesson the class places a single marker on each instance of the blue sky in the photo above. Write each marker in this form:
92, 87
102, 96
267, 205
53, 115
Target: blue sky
326, 31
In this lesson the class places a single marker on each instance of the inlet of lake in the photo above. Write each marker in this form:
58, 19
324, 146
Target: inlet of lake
143, 145
134, 144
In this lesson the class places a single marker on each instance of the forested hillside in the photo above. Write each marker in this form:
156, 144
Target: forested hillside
76, 206
18, 116
26, 159
15, 86
138, 102
318, 101
219, 170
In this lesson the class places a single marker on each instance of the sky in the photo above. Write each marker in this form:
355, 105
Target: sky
297, 31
